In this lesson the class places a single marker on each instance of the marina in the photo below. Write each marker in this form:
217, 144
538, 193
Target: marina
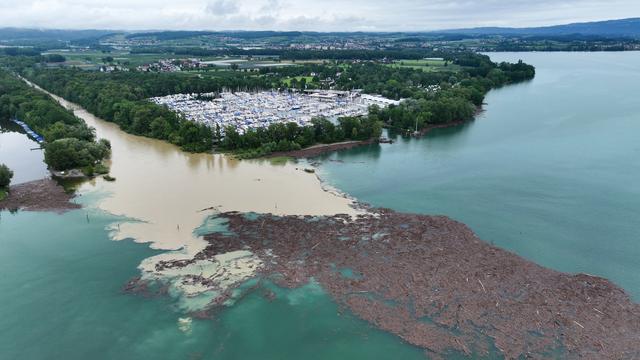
245, 110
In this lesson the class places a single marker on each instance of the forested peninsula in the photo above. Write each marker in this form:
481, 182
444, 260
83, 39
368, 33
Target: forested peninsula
449, 95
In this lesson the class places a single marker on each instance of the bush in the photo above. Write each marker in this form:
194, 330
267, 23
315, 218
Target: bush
101, 169
88, 171
5, 176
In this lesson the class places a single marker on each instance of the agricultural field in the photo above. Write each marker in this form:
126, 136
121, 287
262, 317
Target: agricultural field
93, 59
119, 57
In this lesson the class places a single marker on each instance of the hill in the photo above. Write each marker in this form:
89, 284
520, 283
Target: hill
624, 28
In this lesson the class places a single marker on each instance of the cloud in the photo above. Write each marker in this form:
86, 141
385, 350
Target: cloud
222, 7
326, 15
272, 7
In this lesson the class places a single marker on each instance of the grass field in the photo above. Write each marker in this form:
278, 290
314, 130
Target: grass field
425, 65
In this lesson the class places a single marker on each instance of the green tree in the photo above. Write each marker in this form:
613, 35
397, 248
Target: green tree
71, 153
5, 176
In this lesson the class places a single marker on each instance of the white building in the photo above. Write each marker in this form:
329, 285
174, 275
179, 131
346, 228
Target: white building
378, 100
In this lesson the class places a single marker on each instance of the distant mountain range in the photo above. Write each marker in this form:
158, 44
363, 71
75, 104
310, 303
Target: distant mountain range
624, 28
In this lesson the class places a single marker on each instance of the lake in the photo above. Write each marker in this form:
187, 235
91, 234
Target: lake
21, 154
549, 170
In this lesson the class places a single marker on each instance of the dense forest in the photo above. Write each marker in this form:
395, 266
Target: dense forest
70, 143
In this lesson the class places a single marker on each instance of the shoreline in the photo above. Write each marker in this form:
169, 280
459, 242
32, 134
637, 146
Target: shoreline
39, 195
320, 149
427, 129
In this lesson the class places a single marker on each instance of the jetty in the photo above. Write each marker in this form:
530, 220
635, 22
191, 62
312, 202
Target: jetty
37, 137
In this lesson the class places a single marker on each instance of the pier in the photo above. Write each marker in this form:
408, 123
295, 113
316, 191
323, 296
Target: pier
37, 137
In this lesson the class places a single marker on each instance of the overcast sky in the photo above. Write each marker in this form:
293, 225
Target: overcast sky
324, 15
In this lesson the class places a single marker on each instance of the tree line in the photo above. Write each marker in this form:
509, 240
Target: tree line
279, 137
122, 98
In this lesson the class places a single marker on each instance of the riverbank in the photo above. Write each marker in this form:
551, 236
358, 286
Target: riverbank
431, 281
317, 150
38, 195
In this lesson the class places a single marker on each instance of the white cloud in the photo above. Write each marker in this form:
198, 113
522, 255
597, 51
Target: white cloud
327, 15
222, 7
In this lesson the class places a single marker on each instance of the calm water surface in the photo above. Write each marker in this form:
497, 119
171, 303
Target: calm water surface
550, 170
16, 152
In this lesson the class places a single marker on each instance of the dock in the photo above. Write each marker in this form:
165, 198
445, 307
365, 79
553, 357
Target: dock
37, 137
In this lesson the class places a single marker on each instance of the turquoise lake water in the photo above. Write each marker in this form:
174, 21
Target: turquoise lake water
550, 170
61, 295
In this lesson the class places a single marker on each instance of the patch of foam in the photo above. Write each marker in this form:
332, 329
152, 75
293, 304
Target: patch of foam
185, 325
197, 284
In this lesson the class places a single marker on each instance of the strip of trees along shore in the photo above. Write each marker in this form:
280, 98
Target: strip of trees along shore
69, 142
